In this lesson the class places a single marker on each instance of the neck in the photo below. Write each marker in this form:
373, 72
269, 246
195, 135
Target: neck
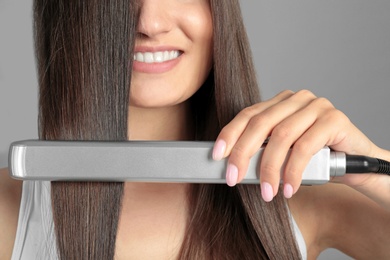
168, 123
155, 212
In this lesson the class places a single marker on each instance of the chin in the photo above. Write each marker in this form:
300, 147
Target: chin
151, 102
147, 99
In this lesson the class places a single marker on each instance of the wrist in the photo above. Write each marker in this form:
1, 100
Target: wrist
381, 154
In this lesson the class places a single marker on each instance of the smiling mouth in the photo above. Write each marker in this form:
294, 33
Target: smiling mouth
156, 57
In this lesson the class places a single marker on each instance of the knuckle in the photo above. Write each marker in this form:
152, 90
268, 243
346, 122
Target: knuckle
322, 102
249, 112
239, 152
282, 132
306, 94
337, 117
269, 169
293, 174
228, 132
258, 121
302, 147
287, 92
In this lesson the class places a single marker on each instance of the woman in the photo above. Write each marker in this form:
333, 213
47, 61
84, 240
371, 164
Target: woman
190, 77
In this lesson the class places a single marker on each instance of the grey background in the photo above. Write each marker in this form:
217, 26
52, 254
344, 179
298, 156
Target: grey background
338, 49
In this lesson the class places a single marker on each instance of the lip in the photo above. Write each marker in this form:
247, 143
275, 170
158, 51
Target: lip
155, 68
156, 48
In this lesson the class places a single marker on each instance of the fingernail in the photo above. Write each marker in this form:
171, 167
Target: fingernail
288, 190
219, 150
231, 175
267, 192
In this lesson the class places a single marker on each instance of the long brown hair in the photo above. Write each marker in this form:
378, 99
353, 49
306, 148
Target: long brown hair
84, 53
84, 56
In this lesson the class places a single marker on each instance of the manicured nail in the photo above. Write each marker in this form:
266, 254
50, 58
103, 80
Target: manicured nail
288, 191
219, 150
267, 192
231, 175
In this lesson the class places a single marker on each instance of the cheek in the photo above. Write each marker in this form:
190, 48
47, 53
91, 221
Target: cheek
199, 28
197, 23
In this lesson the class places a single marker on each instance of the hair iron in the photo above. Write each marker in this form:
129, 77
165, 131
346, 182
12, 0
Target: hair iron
159, 161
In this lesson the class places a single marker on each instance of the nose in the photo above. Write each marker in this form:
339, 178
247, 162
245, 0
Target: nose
154, 18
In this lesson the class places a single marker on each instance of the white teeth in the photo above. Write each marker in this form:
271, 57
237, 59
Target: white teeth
148, 57
139, 57
166, 55
156, 57
172, 55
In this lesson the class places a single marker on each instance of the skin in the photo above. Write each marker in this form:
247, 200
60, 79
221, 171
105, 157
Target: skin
153, 218
10, 193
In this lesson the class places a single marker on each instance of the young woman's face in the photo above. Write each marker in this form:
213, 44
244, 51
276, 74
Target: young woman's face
173, 51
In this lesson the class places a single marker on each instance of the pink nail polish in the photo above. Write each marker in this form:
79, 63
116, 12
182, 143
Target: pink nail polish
288, 191
267, 192
219, 150
231, 175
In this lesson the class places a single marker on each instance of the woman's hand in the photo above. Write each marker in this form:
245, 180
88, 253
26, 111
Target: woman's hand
375, 186
300, 121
